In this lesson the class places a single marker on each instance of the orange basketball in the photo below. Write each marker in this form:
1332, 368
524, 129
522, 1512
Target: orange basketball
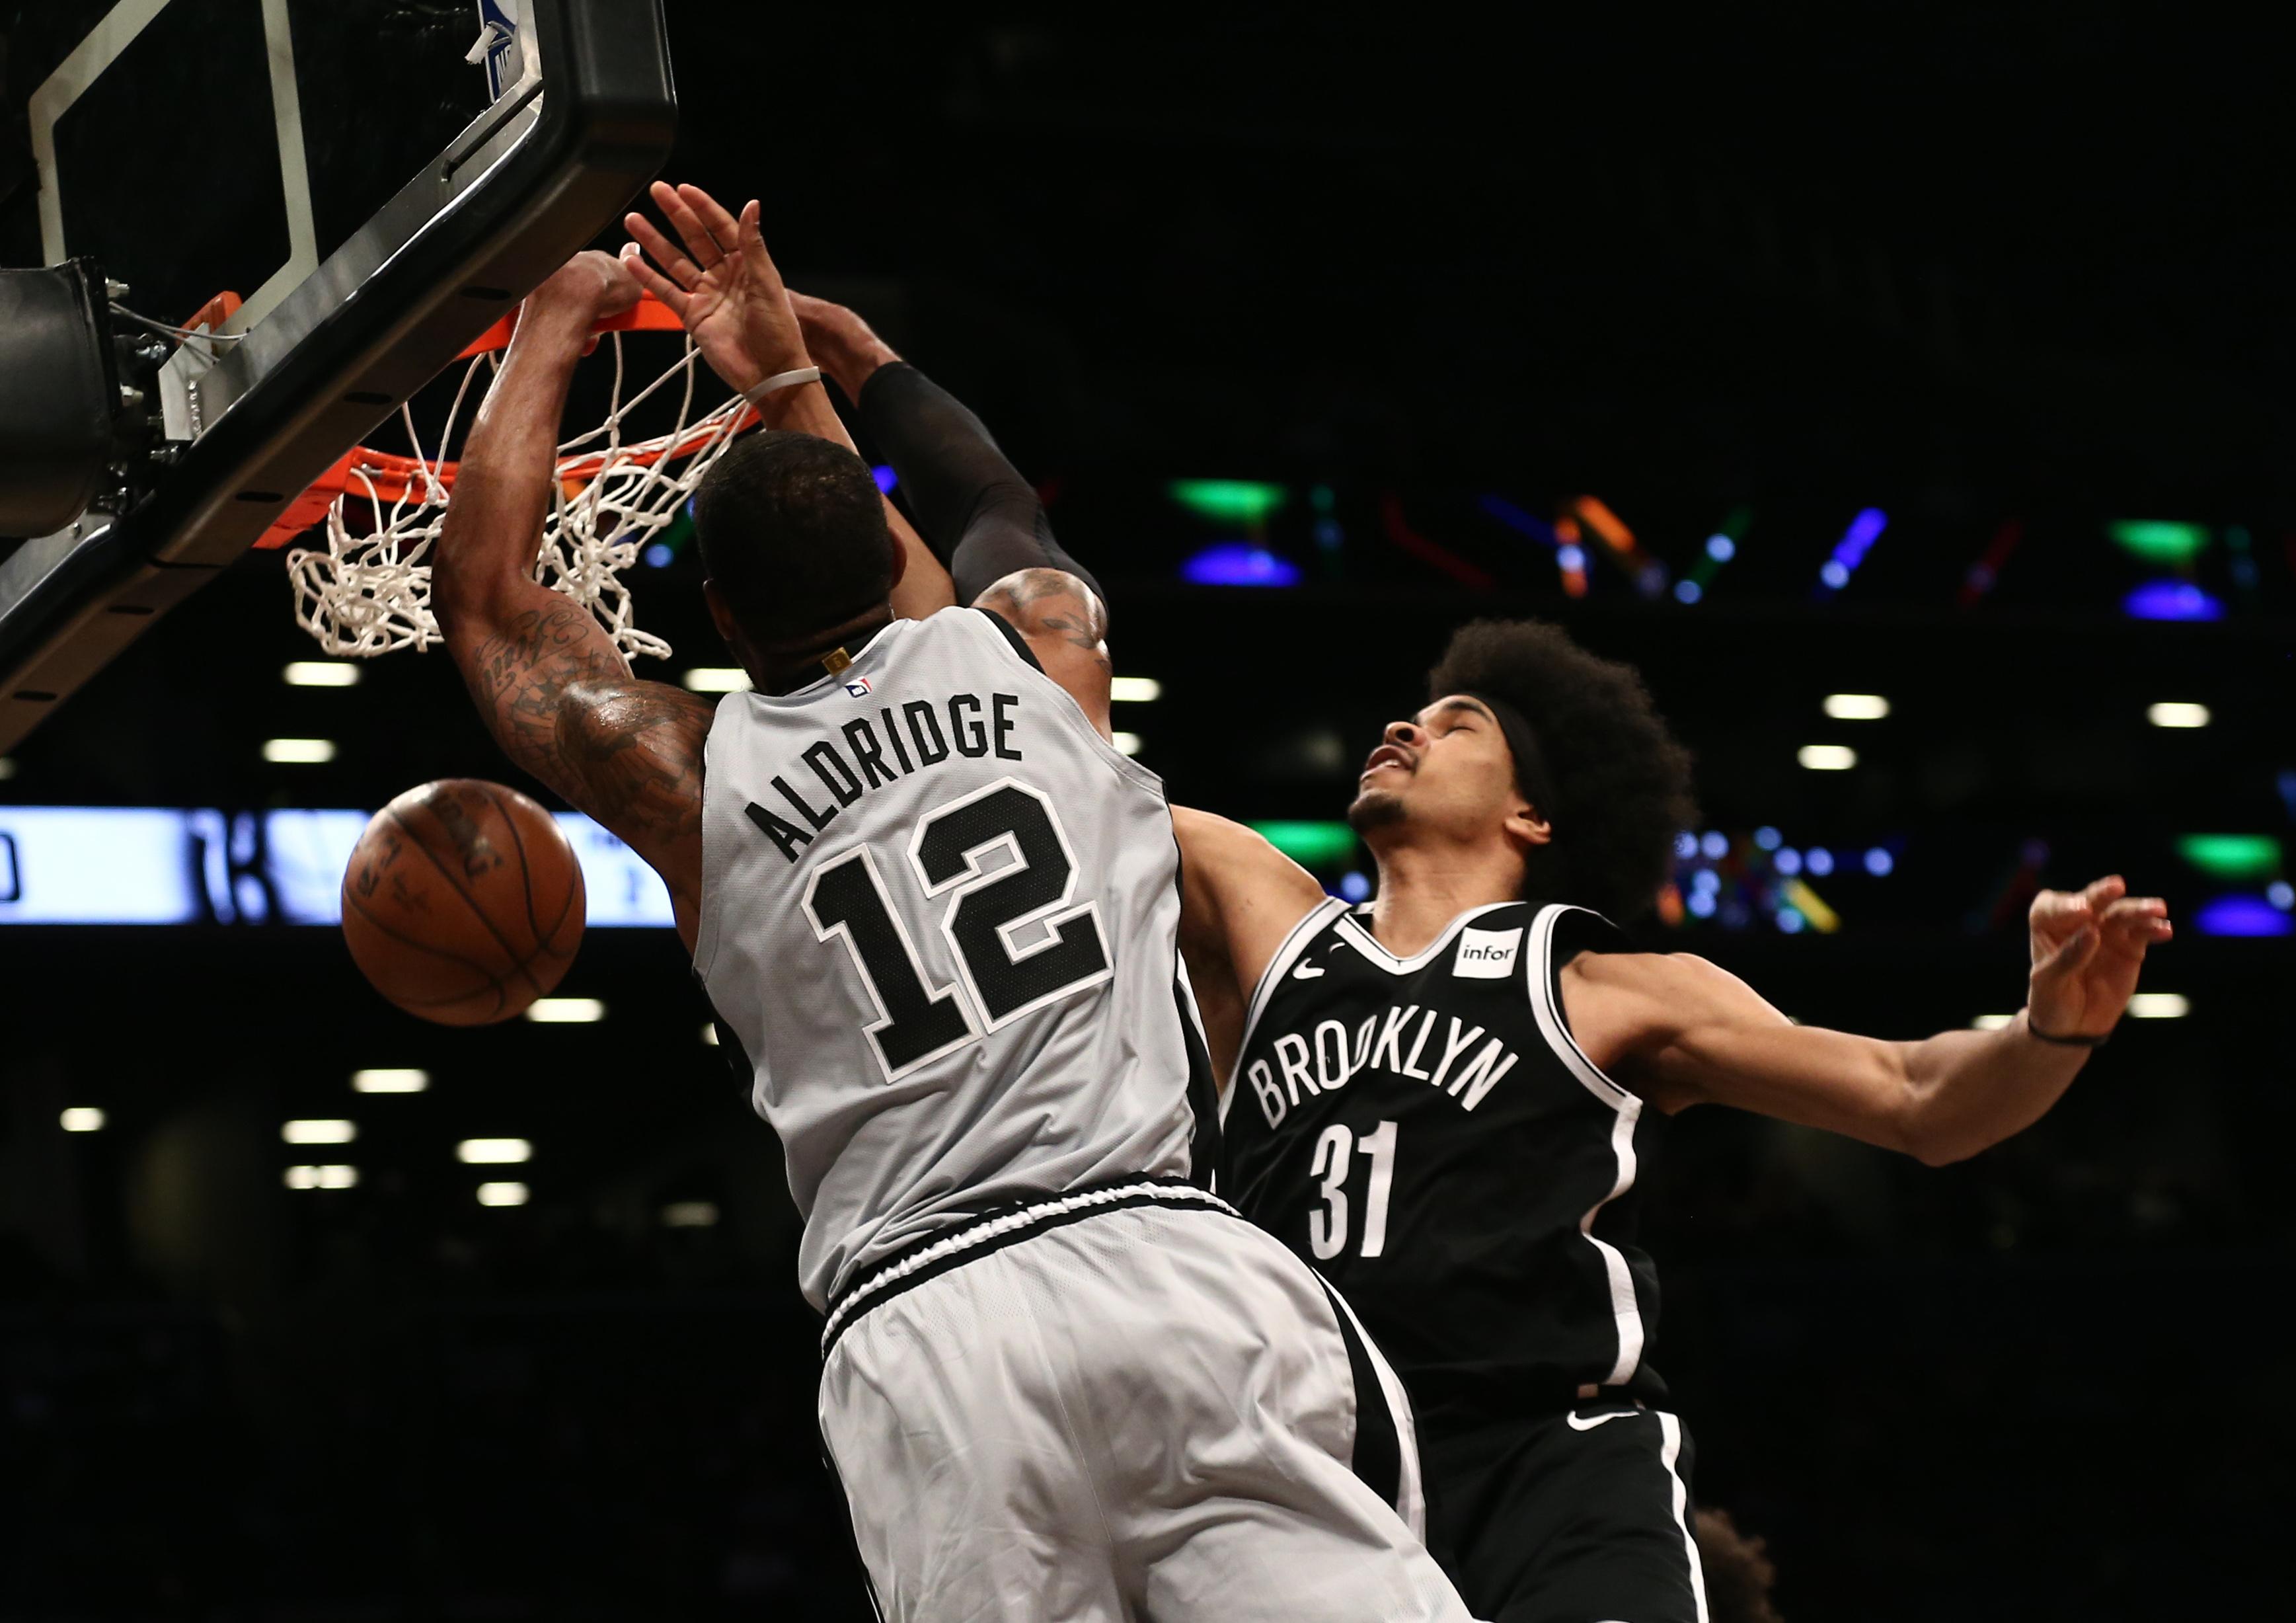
462, 903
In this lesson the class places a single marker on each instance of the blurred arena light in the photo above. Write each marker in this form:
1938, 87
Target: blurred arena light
2177, 713
1826, 757
565, 1011
716, 679
390, 1081
1239, 563
7, 769
710, 1036
493, 1152
2171, 600
1310, 845
2230, 856
2253, 916
690, 1215
503, 1194
2159, 541
322, 1177
321, 673
2159, 1006
1229, 501
82, 1118
298, 751
1857, 707
1850, 551
309, 1132
1130, 743
1135, 689
1993, 1022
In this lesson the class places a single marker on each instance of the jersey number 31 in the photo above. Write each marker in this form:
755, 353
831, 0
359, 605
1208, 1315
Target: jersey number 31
985, 910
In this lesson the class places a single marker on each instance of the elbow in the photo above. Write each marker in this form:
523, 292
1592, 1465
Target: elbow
1936, 1142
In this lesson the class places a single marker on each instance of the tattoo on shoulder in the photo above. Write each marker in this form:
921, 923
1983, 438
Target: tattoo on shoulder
565, 707
1019, 595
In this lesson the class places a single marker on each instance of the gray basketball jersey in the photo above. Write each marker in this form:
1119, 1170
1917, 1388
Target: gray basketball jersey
940, 914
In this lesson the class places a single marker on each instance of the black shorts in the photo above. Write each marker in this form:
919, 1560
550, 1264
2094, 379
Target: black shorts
1578, 1516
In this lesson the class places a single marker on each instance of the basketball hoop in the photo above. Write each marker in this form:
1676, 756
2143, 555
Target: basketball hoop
369, 593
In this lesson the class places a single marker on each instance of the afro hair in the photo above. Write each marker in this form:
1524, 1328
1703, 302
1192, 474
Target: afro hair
1621, 782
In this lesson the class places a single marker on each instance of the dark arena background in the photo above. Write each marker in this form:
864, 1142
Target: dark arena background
1904, 390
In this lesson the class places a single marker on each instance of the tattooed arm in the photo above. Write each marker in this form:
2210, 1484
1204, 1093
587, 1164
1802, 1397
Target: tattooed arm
1066, 626
549, 683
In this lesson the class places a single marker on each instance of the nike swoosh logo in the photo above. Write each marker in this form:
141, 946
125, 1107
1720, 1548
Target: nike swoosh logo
1601, 1419
1306, 972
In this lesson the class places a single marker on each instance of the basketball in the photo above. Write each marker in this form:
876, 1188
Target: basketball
462, 903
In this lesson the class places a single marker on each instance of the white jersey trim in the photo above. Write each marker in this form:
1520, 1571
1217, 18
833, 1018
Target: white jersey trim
1626, 1311
1369, 946
1671, 1450
1271, 978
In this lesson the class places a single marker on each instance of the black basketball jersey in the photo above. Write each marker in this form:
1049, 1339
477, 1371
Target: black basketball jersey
1426, 1134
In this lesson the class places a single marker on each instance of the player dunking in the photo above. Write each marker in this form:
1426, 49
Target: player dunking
936, 913
1448, 1100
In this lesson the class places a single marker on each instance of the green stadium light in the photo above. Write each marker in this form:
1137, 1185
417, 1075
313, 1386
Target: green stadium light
1310, 845
2158, 541
2230, 856
1229, 501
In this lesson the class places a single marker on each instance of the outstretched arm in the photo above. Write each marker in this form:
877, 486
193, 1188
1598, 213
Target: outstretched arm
1682, 1032
975, 510
1239, 899
725, 289
548, 681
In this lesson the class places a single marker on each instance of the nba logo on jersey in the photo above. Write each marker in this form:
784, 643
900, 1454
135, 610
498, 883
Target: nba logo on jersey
1486, 955
858, 687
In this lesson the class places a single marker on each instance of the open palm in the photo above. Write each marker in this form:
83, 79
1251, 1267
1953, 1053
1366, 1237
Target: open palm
723, 285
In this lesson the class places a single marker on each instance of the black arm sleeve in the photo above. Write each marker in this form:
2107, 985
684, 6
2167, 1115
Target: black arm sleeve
973, 509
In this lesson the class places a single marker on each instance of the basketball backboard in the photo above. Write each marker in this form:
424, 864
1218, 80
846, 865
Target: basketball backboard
375, 181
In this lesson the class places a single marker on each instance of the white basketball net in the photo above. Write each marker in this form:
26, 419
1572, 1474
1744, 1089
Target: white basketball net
370, 594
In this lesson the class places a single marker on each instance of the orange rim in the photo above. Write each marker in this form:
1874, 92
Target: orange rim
391, 478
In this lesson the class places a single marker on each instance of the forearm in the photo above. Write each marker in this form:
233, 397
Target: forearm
492, 525
973, 508
1969, 1089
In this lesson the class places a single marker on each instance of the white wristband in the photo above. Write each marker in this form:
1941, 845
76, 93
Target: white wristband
757, 393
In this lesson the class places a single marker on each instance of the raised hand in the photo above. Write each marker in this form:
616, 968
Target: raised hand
723, 285
2087, 947
591, 284
839, 342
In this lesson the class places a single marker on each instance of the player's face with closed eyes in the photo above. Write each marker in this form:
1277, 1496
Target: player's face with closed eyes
1447, 773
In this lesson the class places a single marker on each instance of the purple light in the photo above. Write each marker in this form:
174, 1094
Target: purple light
1850, 551
2242, 916
2171, 600
885, 477
1514, 518
1239, 563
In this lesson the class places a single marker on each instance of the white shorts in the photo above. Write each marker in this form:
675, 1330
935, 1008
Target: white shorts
1121, 1405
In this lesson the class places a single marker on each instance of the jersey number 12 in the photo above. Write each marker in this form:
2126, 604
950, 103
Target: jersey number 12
848, 898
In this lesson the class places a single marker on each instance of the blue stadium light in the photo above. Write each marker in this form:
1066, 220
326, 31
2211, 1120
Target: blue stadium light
1768, 839
1572, 558
1819, 861
2172, 600
1787, 861
658, 555
1355, 887
1850, 551
2243, 916
2281, 894
1715, 843
1878, 862
1790, 921
1686, 846
1706, 879
1700, 904
1514, 518
1721, 549
885, 477
1688, 590
1239, 563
